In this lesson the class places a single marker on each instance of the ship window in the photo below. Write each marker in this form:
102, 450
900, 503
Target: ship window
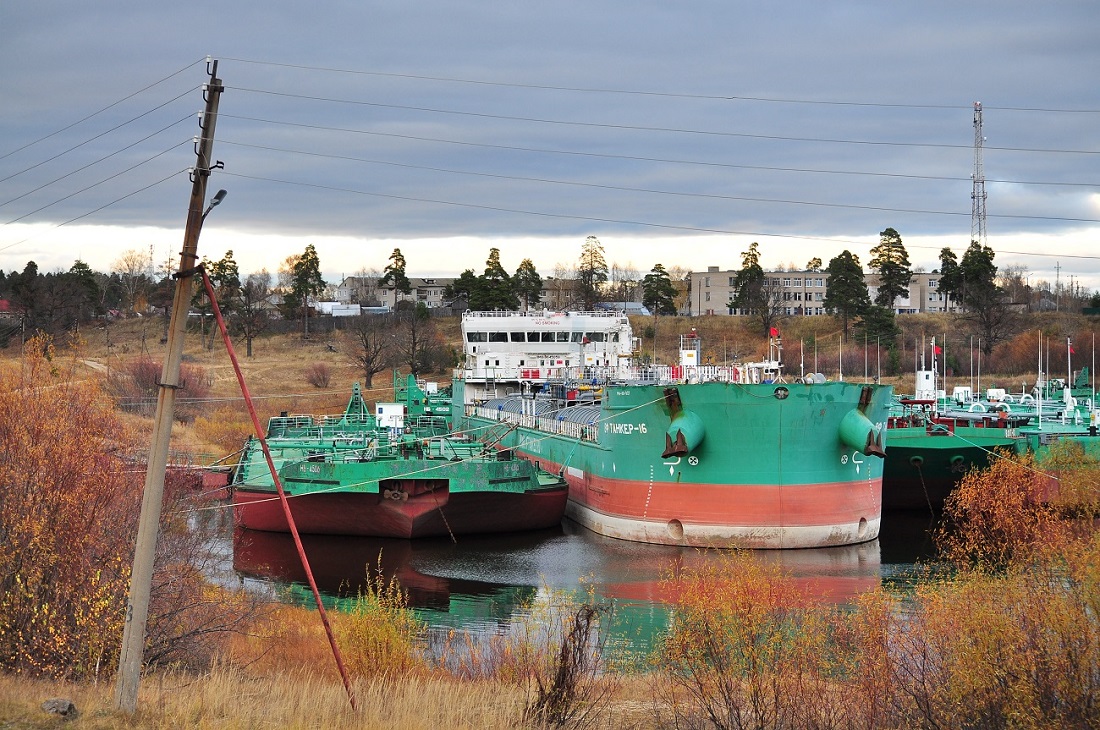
563, 336
547, 336
518, 336
596, 336
532, 336
476, 337
498, 337
577, 336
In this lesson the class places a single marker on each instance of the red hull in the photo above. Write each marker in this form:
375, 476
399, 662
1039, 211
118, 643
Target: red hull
725, 515
425, 515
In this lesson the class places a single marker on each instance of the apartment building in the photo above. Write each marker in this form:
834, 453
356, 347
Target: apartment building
366, 292
802, 293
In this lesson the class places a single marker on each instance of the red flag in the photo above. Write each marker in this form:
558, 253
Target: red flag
773, 332
1072, 351
937, 349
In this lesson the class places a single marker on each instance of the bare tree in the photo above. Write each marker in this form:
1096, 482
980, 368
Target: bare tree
370, 344
366, 288
286, 273
134, 269
1013, 279
623, 282
416, 338
253, 307
563, 286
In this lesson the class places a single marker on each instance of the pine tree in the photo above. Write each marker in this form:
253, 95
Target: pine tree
496, 284
846, 295
469, 285
891, 261
591, 273
754, 297
974, 284
528, 284
394, 274
658, 293
306, 282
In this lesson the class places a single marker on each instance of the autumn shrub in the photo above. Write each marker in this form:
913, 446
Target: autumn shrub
378, 633
863, 686
135, 386
227, 429
999, 514
1016, 648
68, 501
68, 519
744, 649
1073, 475
319, 375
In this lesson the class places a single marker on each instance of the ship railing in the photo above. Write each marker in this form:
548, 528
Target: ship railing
286, 423
572, 429
590, 375
541, 313
355, 419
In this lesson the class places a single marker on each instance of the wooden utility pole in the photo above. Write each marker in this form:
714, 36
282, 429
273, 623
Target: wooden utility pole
137, 608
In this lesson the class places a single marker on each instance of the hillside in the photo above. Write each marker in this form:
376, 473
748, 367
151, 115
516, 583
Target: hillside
279, 373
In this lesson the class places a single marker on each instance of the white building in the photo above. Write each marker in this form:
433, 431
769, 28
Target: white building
802, 293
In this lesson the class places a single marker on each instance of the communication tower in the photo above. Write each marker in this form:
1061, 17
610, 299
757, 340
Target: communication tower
977, 197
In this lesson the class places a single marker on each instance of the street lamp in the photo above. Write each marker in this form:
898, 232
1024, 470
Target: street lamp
214, 202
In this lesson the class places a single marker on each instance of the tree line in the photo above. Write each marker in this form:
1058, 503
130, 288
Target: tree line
987, 299
65, 300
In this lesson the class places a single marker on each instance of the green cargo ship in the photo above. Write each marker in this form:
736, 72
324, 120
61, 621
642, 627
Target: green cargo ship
685, 454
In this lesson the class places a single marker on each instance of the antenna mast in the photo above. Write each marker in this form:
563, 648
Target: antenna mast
977, 197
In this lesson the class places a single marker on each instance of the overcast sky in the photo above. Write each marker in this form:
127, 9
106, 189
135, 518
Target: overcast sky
678, 133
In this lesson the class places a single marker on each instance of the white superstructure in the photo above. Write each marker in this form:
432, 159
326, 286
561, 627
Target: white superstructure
536, 346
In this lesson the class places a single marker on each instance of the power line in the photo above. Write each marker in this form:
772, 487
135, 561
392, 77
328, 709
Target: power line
668, 94
92, 163
100, 111
96, 184
622, 188
101, 134
102, 207
642, 128
595, 219
606, 155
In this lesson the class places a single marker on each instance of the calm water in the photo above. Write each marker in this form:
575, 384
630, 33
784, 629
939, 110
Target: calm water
484, 583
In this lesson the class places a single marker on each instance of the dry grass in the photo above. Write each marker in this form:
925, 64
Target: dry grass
229, 699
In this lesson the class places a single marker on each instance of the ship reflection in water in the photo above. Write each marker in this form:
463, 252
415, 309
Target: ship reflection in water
480, 582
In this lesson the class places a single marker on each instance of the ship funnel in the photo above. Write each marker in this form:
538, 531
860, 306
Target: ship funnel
686, 431
857, 431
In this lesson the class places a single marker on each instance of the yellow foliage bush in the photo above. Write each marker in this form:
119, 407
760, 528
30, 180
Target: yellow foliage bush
69, 497
999, 514
378, 633
225, 428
